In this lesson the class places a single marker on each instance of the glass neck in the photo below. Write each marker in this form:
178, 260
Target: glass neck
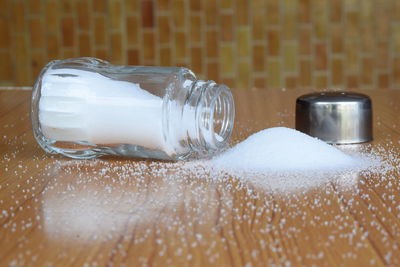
209, 110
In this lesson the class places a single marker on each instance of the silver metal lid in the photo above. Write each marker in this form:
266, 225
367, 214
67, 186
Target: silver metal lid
335, 117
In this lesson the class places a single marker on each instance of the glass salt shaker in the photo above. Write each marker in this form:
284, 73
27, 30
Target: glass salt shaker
85, 108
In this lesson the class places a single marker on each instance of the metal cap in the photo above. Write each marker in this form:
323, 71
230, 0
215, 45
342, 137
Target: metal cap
335, 117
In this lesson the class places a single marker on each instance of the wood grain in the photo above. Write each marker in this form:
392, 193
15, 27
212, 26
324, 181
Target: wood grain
56, 211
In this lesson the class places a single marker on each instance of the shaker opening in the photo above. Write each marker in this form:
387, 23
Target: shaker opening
222, 116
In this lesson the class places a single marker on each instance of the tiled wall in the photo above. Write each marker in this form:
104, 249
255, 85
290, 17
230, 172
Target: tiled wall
243, 43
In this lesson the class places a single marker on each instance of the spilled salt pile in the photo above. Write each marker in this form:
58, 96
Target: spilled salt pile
283, 150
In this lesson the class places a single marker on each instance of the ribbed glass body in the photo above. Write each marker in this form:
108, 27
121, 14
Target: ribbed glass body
86, 108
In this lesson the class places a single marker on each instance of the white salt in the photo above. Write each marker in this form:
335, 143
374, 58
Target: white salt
282, 150
78, 105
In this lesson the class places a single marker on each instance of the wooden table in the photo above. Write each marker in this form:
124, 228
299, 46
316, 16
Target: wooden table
58, 211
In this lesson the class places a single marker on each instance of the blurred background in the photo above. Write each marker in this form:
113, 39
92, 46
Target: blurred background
244, 44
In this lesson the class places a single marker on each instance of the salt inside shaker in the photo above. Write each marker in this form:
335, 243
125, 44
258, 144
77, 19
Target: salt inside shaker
86, 108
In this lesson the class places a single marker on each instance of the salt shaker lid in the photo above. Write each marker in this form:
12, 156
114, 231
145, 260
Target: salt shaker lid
335, 117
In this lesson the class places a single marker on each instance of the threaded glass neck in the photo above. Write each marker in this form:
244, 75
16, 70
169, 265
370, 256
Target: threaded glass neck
211, 107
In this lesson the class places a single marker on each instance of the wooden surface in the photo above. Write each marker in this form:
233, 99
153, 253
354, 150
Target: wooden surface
58, 211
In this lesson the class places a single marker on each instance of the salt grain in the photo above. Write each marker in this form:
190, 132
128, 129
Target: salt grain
285, 150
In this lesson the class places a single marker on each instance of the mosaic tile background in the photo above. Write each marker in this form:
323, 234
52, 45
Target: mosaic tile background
245, 44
